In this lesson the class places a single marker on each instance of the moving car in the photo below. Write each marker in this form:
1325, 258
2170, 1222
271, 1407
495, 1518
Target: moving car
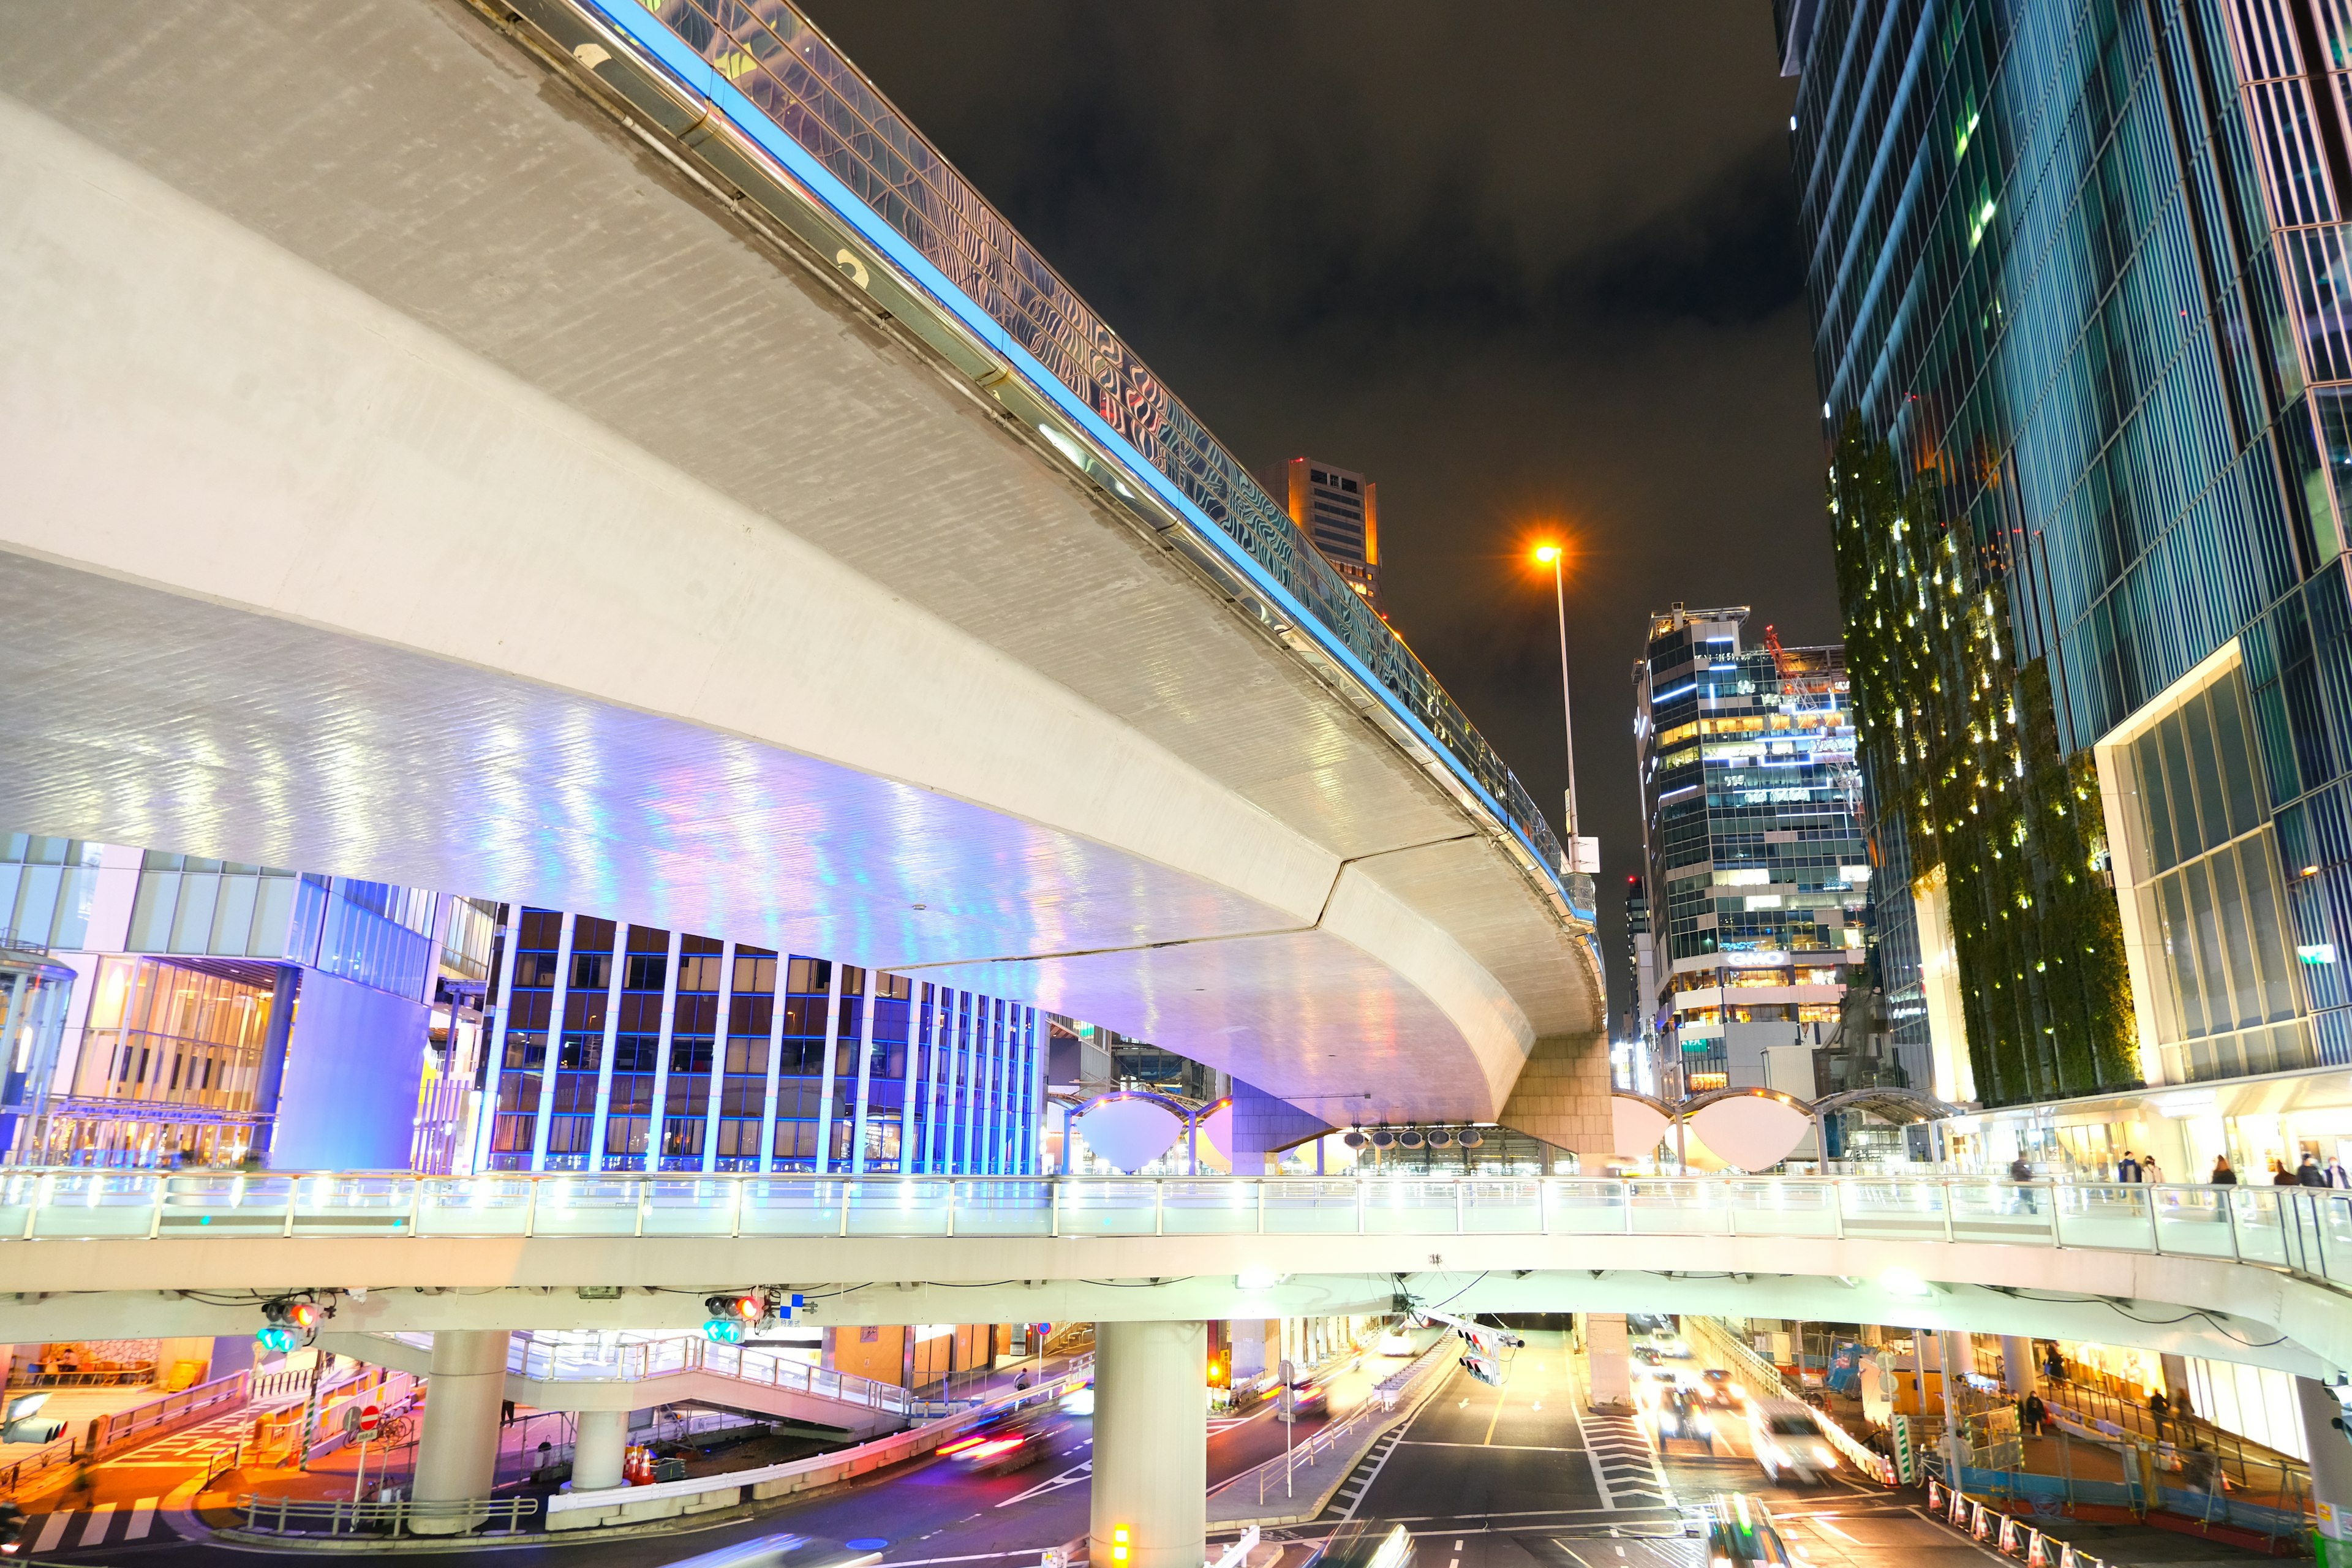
781, 1552
1788, 1440
1312, 1397
1393, 1343
1000, 1449
1716, 1388
1744, 1536
1683, 1418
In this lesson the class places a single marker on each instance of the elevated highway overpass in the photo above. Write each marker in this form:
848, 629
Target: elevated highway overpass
2259, 1276
565, 452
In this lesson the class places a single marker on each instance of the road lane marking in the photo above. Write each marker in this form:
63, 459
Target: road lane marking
1518, 1447
143, 1518
53, 1531
100, 1518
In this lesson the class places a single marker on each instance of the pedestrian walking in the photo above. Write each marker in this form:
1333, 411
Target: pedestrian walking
2054, 1367
2128, 1169
2021, 1170
2149, 1173
2281, 1176
2034, 1414
2337, 1176
2223, 1176
2308, 1174
2159, 1408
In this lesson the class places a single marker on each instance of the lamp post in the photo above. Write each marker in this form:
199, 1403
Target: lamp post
1549, 555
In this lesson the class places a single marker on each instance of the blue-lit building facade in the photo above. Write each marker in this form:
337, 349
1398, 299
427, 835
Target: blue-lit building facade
625, 1047
1757, 869
2077, 272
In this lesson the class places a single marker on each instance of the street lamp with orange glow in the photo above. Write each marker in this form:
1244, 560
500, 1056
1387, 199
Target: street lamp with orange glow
1552, 555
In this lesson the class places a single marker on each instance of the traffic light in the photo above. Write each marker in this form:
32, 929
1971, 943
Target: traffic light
21, 1424
730, 1315
292, 1323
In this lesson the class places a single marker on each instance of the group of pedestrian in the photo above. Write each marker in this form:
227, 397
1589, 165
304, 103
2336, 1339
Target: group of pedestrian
2310, 1173
2136, 1168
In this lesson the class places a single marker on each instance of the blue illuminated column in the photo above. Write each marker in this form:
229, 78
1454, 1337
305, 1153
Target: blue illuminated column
917, 1015
655, 1117
775, 1058
486, 1114
721, 1033
824, 1083
554, 1046
604, 1052
875, 980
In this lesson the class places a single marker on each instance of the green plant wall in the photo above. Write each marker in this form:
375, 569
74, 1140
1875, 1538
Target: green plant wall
1963, 742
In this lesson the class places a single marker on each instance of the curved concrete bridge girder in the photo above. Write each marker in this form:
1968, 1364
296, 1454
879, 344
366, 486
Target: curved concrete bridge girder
426, 481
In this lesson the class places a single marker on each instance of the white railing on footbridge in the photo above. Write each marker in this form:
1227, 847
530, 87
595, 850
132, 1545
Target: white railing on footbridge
2304, 1230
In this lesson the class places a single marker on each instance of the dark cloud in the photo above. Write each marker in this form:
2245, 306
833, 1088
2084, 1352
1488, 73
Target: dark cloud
1532, 266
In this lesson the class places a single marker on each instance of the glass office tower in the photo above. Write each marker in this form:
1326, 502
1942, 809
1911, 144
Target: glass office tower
2076, 269
1757, 871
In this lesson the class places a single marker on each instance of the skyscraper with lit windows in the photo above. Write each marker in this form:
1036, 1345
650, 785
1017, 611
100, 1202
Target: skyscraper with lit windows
1757, 869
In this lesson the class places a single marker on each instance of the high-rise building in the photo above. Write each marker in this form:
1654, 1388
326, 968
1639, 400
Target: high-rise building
2075, 273
1641, 959
1758, 867
1338, 511
625, 1047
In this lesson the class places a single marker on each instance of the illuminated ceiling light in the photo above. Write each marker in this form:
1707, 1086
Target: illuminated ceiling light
1901, 1281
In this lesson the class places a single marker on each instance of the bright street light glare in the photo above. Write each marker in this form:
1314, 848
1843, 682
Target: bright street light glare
1547, 553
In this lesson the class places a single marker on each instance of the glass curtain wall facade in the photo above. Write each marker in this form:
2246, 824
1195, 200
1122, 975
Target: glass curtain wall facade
624, 1048
1757, 864
2077, 270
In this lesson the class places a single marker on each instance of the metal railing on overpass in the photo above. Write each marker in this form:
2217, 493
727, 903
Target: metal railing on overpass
592, 1358
2302, 1230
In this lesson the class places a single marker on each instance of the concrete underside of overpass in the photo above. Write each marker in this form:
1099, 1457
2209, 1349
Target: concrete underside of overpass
2221, 1310
415, 474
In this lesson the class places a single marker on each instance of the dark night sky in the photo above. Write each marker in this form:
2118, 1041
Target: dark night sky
1530, 264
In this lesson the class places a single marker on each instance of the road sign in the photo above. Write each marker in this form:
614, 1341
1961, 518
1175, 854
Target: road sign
351, 1420
370, 1419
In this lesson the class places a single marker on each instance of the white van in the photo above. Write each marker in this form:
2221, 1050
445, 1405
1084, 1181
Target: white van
1786, 1437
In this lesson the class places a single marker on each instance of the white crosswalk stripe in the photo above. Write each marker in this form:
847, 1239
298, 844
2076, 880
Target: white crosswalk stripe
1625, 1463
98, 1526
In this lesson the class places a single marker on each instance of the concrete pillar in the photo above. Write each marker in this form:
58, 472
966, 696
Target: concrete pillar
1606, 1358
600, 1439
2331, 1470
457, 1454
1151, 1446
2018, 1372
1252, 1353
1949, 1364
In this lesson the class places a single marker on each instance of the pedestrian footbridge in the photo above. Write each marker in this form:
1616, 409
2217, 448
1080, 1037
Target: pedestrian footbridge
2257, 1274
628, 1371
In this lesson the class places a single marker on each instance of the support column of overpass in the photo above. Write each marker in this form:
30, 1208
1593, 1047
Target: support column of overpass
1606, 1362
2017, 1368
599, 1444
1151, 1447
457, 1454
2325, 1424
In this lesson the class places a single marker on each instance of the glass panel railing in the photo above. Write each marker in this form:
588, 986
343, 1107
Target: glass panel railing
1894, 1207
474, 1205
1105, 1205
1005, 1207
1676, 1206
1507, 1207
587, 1205
2261, 1235
2193, 1221
1766, 1207
1403, 1206
690, 1205
790, 1205
1312, 1206
1191, 1206
1586, 1208
222, 1203
899, 1205
2014, 1212
2113, 1215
